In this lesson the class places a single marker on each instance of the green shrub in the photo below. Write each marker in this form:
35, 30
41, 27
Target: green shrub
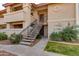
69, 34
3, 36
38, 36
15, 38
56, 36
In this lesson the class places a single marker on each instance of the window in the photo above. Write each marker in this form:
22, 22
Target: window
3, 26
16, 25
1, 16
17, 8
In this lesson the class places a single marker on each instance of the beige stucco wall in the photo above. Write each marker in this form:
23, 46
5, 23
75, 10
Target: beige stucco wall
59, 16
35, 15
77, 14
27, 15
20, 15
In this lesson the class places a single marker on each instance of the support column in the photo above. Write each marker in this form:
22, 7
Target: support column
27, 14
8, 26
77, 14
77, 17
8, 9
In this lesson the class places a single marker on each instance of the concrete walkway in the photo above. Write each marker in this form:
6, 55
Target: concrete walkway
22, 50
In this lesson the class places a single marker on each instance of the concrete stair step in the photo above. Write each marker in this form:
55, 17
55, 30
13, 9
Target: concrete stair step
26, 43
28, 38
25, 40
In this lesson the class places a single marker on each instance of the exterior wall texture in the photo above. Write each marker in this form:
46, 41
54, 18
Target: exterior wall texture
59, 16
23, 15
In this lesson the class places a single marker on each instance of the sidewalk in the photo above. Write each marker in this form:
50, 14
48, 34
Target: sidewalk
21, 50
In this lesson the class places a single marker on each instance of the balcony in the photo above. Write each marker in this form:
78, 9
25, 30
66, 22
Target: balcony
17, 8
15, 16
10, 31
2, 21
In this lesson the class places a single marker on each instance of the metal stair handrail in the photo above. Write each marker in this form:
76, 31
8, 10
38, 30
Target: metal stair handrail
27, 26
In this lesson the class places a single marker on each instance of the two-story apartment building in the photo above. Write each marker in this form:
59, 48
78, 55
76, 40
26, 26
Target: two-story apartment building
53, 16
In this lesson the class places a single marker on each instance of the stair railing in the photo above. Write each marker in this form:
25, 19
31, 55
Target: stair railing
25, 30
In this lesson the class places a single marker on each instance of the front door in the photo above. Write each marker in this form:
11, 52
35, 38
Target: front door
41, 16
42, 31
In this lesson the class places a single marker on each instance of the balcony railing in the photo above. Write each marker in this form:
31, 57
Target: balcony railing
15, 16
10, 31
2, 21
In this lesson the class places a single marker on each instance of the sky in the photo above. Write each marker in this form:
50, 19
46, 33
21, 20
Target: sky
1, 7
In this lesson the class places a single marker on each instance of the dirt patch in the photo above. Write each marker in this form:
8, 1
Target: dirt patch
64, 42
5, 42
77, 41
73, 42
5, 53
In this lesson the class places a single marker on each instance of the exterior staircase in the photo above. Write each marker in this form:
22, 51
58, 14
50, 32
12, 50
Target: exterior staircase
30, 33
